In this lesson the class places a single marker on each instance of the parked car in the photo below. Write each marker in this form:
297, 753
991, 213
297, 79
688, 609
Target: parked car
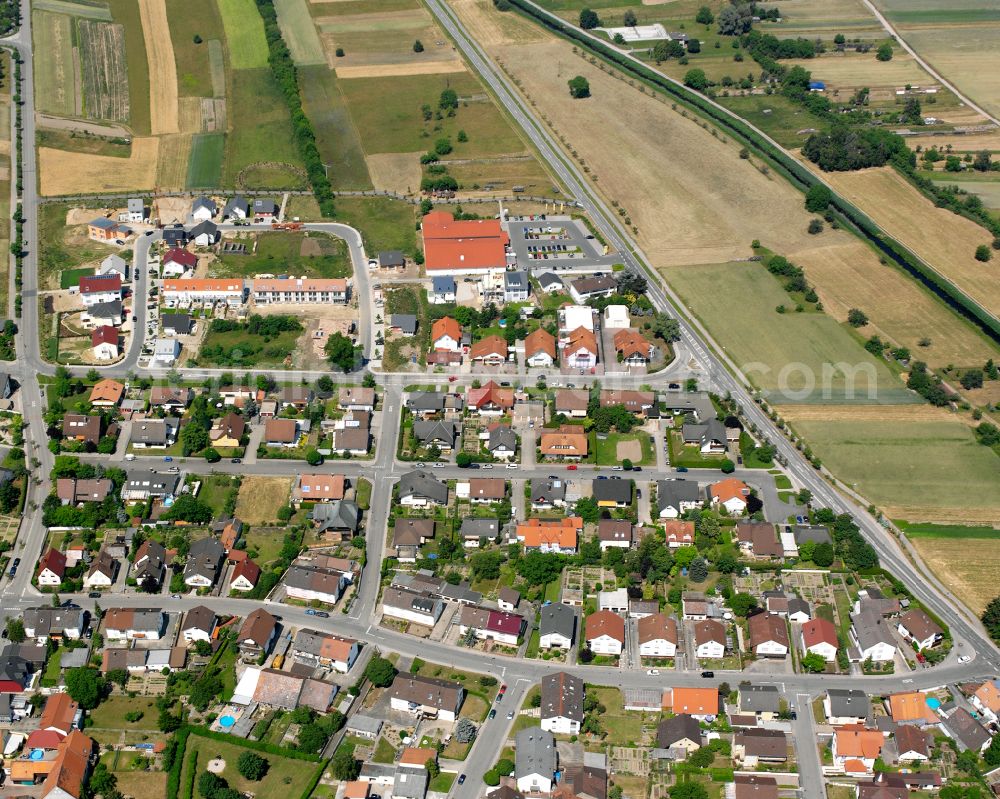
236, 460
682, 468
461, 779
572, 467
167, 458
708, 675
492, 714
94, 594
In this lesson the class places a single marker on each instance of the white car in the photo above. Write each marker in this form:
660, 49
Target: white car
512, 466
964, 658
653, 672
437, 466
487, 465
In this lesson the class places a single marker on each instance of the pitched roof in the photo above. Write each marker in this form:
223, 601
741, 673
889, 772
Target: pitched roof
488, 347
77, 425
730, 488
490, 394
540, 532
258, 627
321, 486
580, 340
464, 244
107, 390
754, 786
819, 631
989, 695
281, 430
910, 706
709, 630
199, 618
696, 701
446, 326
557, 618
656, 627
766, 627
572, 399
540, 341
679, 531
858, 742
910, 738
630, 342
92, 284
968, 731
105, 334
919, 625
54, 561
677, 728
180, 256
604, 622
248, 570
566, 440
562, 695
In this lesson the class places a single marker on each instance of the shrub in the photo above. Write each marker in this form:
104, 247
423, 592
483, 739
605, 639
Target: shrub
579, 87
588, 21
857, 318
983, 253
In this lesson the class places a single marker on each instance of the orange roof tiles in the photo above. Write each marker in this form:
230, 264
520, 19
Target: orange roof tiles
107, 391
989, 694
491, 394
695, 701
630, 342
568, 440
730, 488
910, 706
550, 532
604, 622
540, 340
463, 244
491, 346
859, 742
446, 326
580, 340
203, 284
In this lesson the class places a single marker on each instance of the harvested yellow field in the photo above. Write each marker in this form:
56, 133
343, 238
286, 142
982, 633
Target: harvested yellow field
961, 563
189, 118
959, 142
162, 67
398, 70
64, 172
260, 498
944, 240
899, 308
398, 172
172, 164
492, 28
849, 71
901, 414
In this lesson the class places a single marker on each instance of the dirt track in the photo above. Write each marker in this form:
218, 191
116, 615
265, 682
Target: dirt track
162, 67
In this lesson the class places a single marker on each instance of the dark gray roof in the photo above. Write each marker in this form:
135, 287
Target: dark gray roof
612, 490
562, 695
105, 309
179, 322
44, 620
262, 205
206, 227
503, 437
148, 480
434, 432
391, 258
759, 698
199, 618
419, 484
966, 730
845, 702
515, 281
409, 783
406, 322
549, 278
677, 728
535, 752
405, 599
811, 532
425, 401
670, 493
238, 202
547, 489
204, 559
203, 202
153, 431
479, 528
871, 629
558, 618
341, 514
712, 431
443, 284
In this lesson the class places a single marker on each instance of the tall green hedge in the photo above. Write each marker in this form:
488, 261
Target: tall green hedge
796, 173
286, 75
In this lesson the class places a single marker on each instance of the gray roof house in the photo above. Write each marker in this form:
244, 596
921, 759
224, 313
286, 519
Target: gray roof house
550, 282
474, 529
562, 697
340, 514
146, 483
557, 619
393, 259
677, 729
204, 204
409, 783
154, 432
418, 488
759, 699
969, 733
113, 264
548, 492
237, 207
177, 324
534, 759
674, 497
205, 230
436, 433
502, 439
846, 703
614, 491
203, 562
42, 622
710, 435
516, 287
443, 288
405, 322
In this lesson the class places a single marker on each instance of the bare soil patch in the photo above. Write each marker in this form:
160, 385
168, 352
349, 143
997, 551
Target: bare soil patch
172, 165
77, 173
399, 172
172, 209
105, 76
260, 498
490, 28
162, 67
944, 240
397, 70
629, 450
189, 114
961, 563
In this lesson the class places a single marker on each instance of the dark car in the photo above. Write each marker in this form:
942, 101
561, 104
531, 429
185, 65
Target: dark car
682, 468
461, 779
708, 675
134, 318
636, 468
236, 460
16, 563
492, 714
94, 594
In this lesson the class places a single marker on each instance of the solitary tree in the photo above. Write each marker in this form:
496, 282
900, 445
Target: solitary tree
696, 79
705, 16
814, 662
579, 87
818, 198
252, 766
884, 52
380, 672
983, 253
589, 19
857, 318
418, 46
629, 19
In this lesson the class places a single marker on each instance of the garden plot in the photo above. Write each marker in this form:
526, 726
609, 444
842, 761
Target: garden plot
105, 75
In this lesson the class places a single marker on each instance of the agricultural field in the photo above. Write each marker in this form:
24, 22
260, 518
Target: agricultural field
205, 166
310, 254
162, 67
787, 353
105, 76
922, 470
960, 40
847, 72
55, 75
825, 19
194, 61
786, 122
260, 498
82, 143
385, 224
78, 173
336, 135
127, 13
943, 239
244, 34
299, 32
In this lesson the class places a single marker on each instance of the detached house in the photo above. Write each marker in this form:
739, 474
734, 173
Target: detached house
579, 350
550, 535
605, 633
562, 703
96, 289
103, 571
490, 399
855, 750
916, 626
149, 562
674, 498
844, 706
316, 648
768, 635
681, 731
204, 563
442, 290
419, 490
51, 568
446, 334
709, 639
872, 637
710, 436
540, 348
657, 636
198, 624
731, 494
566, 442
557, 626
632, 348
129, 624
819, 636
178, 263
547, 493
491, 351
426, 696
257, 634
491, 625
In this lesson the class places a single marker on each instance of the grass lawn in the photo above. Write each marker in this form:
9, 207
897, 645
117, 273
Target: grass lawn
789, 356
384, 752
50, 677
946, 531
285, 777
469, 680
194, 78
266, 543
336, 137
364, 493
290, 253
782, 482
59, 246
238, 348
261, 497
205, 167
261, 129
442, 782
689, 456
607, 449
385, 224
776, 115
623, 728
395, 124
110, 714
70, 278
214, 490
64, 140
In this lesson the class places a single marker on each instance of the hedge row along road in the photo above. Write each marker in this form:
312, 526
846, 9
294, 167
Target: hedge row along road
778, 158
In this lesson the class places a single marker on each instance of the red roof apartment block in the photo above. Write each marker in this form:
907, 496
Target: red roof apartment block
463, 246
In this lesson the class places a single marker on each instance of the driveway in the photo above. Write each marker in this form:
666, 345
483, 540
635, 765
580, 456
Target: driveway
256, 436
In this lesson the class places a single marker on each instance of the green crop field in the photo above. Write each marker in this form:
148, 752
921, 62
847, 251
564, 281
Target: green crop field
261, 129
789, 351
917, 470
205, 166
54, 73
337, 139
299, 32
395, 124
285, 777
947, 531
194, 69
126, 12
385, 224
96, 10
777, 116
244, 34
311, 254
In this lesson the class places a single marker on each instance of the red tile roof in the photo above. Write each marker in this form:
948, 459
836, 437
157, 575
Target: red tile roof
182, 257
105, 334
604, 622
819, 631
94, 283
473, 244
54, 561
446, 326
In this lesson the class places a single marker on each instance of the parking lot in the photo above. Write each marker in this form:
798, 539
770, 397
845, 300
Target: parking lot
557, 243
